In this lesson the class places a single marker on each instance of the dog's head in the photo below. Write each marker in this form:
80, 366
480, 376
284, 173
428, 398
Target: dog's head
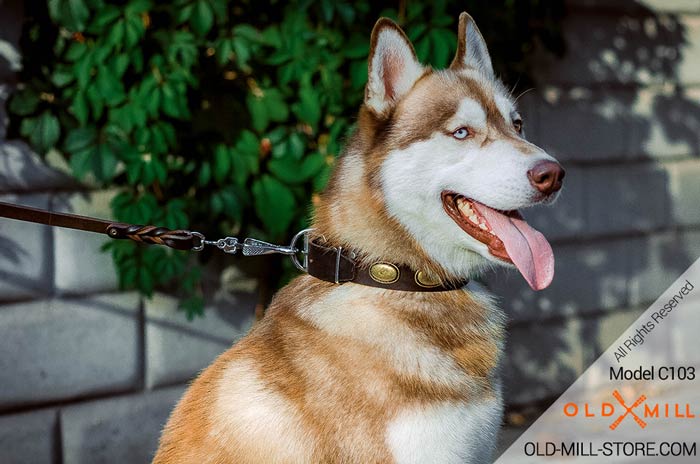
455, 166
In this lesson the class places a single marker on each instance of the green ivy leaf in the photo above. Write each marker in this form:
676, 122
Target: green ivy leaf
416, 31
79, 140
292, 171
146, 279
297, 145
193, 306
274, 204
104, 19
423, 49
109, 86
309, 107
175, 216
133, 172
83, 70
357, 47
320, 179
245, 157
232, 205
204, 174
183, 13
137, 7
128, 275
62, 77
43, 131
224, 50
95, 100
202, 17
80, 162
242, 49
443, 42
293, 147
72, 14
123, 117
24, 102
248, 32
76, 51
272, 36
258, 112
358, 74
222, 163
115, 37
270, 106
134, 30
169, 101
79, 108
119, 65
216, 204
104, 162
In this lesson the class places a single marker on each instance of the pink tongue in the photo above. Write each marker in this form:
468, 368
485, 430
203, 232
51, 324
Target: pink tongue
527, 248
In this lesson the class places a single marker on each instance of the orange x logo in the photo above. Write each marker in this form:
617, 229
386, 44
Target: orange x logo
628, 410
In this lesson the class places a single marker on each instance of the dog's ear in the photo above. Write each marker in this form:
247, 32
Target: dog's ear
471, 47
393, 67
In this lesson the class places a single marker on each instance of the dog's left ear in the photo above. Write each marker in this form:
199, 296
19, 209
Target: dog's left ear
393, 67
471, 47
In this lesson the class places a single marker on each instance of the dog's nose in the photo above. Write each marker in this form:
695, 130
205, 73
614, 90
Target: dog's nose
546, 176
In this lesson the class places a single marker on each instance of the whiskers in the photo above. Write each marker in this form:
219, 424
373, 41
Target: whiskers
523, 93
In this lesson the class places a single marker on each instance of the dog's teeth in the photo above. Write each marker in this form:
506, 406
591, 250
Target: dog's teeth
466, 208
470, 214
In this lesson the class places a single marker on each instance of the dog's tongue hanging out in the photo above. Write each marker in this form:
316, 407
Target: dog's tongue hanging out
526, 247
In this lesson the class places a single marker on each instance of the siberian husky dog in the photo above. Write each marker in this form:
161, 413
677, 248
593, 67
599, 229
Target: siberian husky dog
432, 179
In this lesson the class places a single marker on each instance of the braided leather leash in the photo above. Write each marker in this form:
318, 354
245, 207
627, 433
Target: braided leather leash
178, 239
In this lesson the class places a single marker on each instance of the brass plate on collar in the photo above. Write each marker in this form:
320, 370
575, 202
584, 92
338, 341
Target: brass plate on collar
425, 281
384, 273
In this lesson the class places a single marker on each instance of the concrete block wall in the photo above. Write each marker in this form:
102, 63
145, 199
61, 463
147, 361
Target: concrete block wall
621, 111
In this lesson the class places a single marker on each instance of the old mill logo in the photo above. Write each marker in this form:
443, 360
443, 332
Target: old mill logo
639, 410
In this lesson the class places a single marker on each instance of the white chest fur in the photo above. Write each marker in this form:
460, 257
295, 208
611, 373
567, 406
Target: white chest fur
446, 433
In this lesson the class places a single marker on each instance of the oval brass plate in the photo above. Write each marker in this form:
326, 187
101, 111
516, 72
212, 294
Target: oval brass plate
384, 273
424, 280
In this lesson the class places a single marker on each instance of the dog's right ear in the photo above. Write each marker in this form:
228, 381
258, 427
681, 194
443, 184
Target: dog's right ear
393, 67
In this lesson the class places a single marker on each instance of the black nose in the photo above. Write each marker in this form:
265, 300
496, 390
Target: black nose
546, 176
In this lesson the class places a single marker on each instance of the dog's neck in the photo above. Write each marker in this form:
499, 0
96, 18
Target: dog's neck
351, 213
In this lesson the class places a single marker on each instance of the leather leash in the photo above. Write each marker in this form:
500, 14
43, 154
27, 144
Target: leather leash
178, 239
331, 264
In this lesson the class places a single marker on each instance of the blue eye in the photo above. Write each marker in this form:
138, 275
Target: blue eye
461, 133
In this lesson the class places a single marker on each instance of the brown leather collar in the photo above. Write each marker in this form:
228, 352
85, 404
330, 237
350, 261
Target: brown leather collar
333, 264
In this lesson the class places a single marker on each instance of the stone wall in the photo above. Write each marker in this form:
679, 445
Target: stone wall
89, 374
622, 112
